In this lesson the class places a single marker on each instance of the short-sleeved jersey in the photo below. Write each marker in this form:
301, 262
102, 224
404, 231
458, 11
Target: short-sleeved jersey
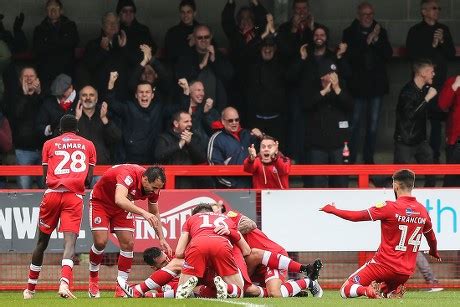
256, 238
402, 225
127, 175
203, 224
68, 158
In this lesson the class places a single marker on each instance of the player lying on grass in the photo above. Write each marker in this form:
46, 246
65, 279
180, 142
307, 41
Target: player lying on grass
402, 223
166, 269
259, 271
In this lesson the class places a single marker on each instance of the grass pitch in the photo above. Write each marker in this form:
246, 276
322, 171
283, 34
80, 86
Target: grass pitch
330, 298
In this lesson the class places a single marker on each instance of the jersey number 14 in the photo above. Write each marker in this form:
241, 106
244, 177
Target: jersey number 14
415, 239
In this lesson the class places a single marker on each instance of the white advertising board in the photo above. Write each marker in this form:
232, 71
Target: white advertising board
292, 219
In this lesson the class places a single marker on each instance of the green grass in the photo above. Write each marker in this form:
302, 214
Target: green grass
330, 298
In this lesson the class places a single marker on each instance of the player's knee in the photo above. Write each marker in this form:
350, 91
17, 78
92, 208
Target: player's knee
127, 245
100, 243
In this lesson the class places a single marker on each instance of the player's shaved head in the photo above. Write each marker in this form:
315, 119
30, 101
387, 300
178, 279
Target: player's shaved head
68, 123
405, 178
202, 207
151, 254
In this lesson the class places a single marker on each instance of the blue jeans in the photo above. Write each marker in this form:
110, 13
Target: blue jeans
333, 156
367, 109
28, 157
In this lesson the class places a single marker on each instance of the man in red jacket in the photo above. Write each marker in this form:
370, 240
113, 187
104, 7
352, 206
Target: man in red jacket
449, 101
270, 169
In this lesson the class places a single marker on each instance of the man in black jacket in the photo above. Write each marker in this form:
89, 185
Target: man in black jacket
179, 38
141, 122
432, 40
411, 115
136, 33
95, 125
54, 43
328, 107
368, 50
207, 64
180, 146
23, 108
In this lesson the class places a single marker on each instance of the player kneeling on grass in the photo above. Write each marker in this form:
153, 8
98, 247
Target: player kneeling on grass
402, 223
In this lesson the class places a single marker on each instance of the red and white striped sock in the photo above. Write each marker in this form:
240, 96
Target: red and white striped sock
280, 262
352, 290
66, 271
95, 259
125, 261
156, 280
263, 292
293, 287
34, 272
234, 291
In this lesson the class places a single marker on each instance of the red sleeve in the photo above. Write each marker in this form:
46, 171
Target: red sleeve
92, 155
45, 154
234, 236
283, 164
431, 239
125, 179
380, 211
250, 166
354, 216
447, 94
186, 226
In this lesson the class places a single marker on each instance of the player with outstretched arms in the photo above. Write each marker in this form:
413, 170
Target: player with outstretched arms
402, 224
68, 161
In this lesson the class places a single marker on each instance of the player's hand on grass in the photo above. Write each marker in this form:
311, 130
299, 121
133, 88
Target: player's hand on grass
329, 208
222, 230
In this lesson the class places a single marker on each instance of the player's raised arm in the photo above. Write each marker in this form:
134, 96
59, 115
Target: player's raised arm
354, 216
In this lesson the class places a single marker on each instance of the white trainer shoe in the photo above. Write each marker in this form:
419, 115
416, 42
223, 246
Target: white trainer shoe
64, 291
186, 289
27, 294
221, 287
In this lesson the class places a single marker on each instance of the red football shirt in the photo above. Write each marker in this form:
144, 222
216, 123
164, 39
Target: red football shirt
203, 224
402, 225
127, 175
256, 238
68, 157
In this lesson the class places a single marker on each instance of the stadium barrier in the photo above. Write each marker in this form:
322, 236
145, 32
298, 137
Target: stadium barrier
290, 217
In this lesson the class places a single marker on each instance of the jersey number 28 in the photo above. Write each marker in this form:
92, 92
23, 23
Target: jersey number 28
77, 162
415, 239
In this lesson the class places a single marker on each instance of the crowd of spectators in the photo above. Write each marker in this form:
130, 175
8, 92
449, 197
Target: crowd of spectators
193, 103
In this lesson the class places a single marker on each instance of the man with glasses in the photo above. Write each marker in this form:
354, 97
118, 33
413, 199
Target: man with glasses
229, 146
432, 40
208, 65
